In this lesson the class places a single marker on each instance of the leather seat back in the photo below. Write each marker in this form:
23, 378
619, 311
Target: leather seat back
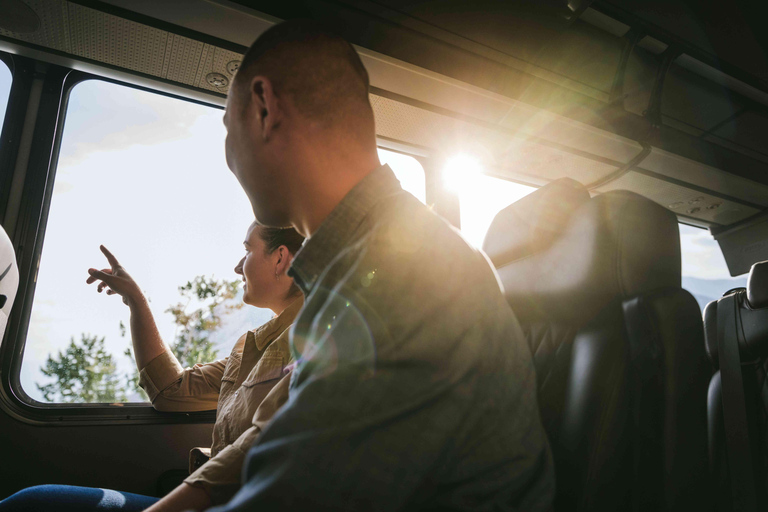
621, 376
9, 279
753, 350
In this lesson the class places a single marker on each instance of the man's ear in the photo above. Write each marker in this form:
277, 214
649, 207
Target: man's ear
265, 104
284, 259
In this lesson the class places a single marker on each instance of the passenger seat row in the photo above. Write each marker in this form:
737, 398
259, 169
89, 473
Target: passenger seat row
736, 330
618, 346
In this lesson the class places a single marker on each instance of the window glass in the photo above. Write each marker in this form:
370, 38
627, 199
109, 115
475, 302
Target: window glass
408, 170
145, 175
705, 273
5, 90
481, 197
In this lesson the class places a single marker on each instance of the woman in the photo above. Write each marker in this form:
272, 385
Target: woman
246, 388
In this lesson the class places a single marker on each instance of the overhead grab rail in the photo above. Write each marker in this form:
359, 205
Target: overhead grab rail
624, 169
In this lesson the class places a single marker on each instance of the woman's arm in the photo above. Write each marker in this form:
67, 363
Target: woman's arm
147, 343
169, 386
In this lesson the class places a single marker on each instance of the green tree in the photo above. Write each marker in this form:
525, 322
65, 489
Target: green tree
193, 336
192, 344
84, 372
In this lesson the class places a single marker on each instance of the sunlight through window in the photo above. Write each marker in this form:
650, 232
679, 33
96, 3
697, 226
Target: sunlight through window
461, 171
481, 196
408, 171
705, 273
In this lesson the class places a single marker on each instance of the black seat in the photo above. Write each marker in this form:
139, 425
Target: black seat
738, 393
622, 375
9, 279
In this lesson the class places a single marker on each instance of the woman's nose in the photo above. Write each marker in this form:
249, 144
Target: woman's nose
239, 267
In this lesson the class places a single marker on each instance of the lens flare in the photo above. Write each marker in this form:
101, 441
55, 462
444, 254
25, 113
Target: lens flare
460, 171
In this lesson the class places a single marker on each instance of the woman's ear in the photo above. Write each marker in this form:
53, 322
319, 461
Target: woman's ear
284, 259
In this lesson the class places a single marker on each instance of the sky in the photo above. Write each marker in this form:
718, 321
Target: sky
145, 175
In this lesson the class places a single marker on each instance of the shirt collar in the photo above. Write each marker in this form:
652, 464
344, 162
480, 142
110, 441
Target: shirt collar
265, 333
337, 230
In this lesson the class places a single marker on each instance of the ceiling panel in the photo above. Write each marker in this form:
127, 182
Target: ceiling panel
682, 200
510, 155
704, 176
182, 59
54, 29
106, 38
535, 161
750, 129
696, 101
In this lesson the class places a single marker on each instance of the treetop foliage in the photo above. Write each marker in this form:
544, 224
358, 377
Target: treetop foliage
86, 372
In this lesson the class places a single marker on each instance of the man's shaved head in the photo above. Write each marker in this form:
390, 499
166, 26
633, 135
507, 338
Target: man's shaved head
300, 127
319, 72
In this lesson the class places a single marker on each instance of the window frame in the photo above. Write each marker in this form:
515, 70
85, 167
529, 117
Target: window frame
28, 233
22, 70
28, 239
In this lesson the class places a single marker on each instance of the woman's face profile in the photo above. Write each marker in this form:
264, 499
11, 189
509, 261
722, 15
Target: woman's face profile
258, 270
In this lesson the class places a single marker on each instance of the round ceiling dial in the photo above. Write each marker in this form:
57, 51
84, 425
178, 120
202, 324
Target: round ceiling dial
233, 66
217, 80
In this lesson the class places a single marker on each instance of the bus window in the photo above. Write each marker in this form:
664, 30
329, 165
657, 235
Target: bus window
408, 170
5, 90
481, 197
145, 175
705, 273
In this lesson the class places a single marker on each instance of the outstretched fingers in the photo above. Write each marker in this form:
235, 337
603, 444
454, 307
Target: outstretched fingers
92, 278
110, 257
106, 278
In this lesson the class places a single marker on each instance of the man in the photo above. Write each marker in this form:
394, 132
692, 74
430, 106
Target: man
414, 387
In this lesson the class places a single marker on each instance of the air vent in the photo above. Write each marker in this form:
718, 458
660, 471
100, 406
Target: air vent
217, 80
233, 66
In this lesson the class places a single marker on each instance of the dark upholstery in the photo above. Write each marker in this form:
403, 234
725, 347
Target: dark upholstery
618, 246
605, 258
710, 332
754, 357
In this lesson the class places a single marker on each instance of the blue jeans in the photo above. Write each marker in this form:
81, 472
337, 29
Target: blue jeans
66, 498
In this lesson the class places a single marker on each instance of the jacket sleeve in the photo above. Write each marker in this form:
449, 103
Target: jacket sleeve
172, 388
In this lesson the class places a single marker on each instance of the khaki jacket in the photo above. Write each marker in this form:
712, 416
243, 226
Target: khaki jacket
246, 389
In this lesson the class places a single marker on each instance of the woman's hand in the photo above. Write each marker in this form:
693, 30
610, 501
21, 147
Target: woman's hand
115, 280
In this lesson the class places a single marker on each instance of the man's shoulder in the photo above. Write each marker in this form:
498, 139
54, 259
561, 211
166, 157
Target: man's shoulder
413, 247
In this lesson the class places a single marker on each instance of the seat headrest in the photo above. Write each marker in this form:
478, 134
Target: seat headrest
9, 279
617, 245
531, 224
757, 285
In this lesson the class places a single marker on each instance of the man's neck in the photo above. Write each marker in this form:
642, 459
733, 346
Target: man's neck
327, 192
